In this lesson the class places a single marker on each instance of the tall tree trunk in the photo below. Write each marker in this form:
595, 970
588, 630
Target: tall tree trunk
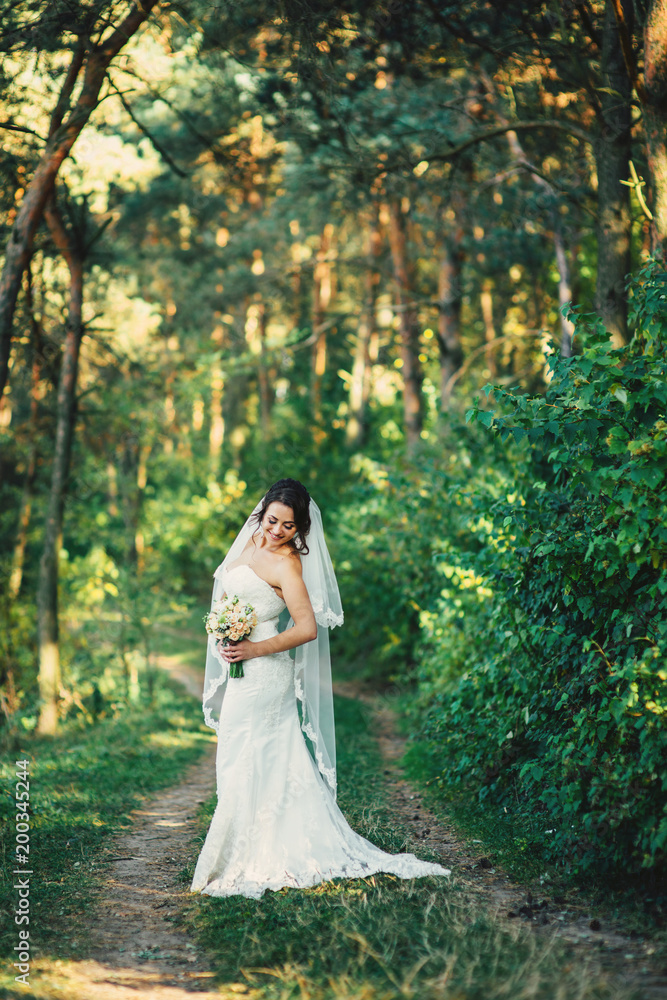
612, 157
486, 302
655, 118
112, 489
355, 430
322, 294
564, 281
47, 589
62, 137
128, 451
564, 287
216, 425
171, 431
265, 394
299, 312
450, 297
408, 326
18, 559
142, 479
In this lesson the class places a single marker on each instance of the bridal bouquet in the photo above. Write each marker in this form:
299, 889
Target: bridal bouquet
229, 620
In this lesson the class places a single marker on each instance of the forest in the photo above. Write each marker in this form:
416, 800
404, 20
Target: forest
411, 254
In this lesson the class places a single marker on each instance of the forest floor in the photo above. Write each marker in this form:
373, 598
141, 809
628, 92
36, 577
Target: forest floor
569, 917
137, 946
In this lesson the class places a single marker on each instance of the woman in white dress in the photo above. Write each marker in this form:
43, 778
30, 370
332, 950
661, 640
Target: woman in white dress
276, 822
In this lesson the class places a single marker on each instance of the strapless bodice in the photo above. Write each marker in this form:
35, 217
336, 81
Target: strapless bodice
241, 581
250, 587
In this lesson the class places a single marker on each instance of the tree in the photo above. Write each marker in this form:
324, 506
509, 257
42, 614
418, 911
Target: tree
654, 104
612, 157
408, 322
71, 247
88, 65
365, 341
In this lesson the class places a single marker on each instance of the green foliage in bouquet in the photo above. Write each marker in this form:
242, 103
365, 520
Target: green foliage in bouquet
564, 712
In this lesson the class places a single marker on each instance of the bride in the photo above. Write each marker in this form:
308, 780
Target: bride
276, 822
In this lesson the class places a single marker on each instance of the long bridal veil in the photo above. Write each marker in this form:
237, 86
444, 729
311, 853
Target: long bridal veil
312, 676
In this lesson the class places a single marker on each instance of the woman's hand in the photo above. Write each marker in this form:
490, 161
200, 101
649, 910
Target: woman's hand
236, 652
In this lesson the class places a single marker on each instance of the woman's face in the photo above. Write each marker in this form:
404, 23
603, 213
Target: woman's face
278, 524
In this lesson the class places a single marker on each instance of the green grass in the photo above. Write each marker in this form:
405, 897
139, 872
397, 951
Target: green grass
188, 640
378, 938
83, 785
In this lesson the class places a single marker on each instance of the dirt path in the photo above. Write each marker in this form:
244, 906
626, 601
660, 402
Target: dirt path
137, 949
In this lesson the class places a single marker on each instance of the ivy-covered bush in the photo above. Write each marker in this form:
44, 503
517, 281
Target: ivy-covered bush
563, 711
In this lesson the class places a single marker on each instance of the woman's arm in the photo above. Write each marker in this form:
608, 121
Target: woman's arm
298, 604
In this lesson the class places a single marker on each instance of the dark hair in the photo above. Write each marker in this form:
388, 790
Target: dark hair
295, 495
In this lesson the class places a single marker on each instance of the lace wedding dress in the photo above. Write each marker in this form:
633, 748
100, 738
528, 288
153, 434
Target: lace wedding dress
276, 822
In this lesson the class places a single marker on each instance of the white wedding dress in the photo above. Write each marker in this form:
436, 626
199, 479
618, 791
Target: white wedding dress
276, 822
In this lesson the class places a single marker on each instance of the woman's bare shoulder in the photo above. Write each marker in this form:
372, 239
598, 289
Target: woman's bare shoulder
290, 563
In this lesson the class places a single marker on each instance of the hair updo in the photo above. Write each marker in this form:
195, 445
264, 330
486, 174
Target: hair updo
293, 494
